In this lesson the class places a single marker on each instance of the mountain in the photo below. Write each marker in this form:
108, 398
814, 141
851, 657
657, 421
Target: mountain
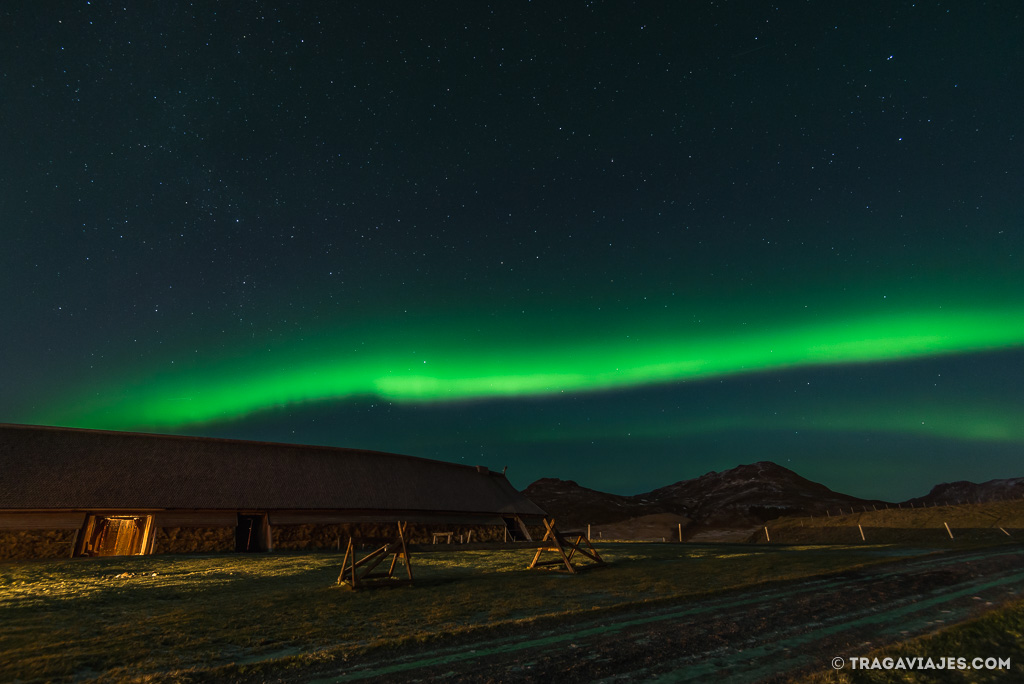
971, 492
745, 496
752, 494
573, 506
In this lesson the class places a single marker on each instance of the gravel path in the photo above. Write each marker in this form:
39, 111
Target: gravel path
763, 634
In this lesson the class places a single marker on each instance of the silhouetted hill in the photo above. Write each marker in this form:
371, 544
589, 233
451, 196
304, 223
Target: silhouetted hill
751, 494
740, 497
971, 492
572, 505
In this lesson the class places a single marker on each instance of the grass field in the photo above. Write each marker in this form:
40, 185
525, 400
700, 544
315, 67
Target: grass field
1009, 514
211, 617
983, 522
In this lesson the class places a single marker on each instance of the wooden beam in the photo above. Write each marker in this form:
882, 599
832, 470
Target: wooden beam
346, 565
522, 528
148, 533
554, 541
550, 535
355, 573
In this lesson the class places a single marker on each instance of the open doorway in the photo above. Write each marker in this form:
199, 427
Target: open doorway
115, 535
515, 530
251, 533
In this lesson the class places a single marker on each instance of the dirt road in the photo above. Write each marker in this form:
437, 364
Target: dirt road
762, 634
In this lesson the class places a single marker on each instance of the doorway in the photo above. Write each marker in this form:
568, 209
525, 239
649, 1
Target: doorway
115, 535
251, 533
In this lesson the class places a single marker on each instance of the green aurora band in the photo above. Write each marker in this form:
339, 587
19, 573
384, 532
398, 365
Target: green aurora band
993, 423
429, 367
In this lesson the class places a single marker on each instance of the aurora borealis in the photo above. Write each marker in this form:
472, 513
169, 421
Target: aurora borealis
439, 372
620, 243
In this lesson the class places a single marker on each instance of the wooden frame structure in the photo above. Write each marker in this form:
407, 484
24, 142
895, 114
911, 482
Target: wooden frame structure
555, 541
357, 574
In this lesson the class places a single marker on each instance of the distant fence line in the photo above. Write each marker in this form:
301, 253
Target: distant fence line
882, 534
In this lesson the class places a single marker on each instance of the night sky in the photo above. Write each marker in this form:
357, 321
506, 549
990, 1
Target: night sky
621, 243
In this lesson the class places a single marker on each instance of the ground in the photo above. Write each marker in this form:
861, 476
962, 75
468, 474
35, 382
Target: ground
282, 618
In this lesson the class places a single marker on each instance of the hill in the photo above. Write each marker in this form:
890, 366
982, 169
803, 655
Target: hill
970, 492
741, 498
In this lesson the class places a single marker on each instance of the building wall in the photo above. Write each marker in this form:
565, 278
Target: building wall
15, 544
194, 540
309, 537
332, 537
26, 536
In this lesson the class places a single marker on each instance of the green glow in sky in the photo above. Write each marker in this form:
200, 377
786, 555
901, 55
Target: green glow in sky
441, 365
991, 422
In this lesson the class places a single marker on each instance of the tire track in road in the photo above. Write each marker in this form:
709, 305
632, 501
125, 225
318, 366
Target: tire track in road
867, 618
754, 634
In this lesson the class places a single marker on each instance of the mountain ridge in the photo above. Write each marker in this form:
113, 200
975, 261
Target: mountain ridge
745, 496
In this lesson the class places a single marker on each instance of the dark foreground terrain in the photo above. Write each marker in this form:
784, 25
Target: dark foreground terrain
768, 633
655, 612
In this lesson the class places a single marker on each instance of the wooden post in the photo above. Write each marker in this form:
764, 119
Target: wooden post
861, 533
551, 535
588, 530
1004, 531
349, 552
680, 531
948, 530
268, 536
766, 537
524, 529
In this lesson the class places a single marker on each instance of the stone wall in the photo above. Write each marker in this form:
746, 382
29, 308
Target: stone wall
308, 537
19, 544
16, 544
194, 539
335, 537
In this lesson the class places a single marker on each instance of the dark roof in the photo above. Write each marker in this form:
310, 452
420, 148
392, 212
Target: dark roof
67, 468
